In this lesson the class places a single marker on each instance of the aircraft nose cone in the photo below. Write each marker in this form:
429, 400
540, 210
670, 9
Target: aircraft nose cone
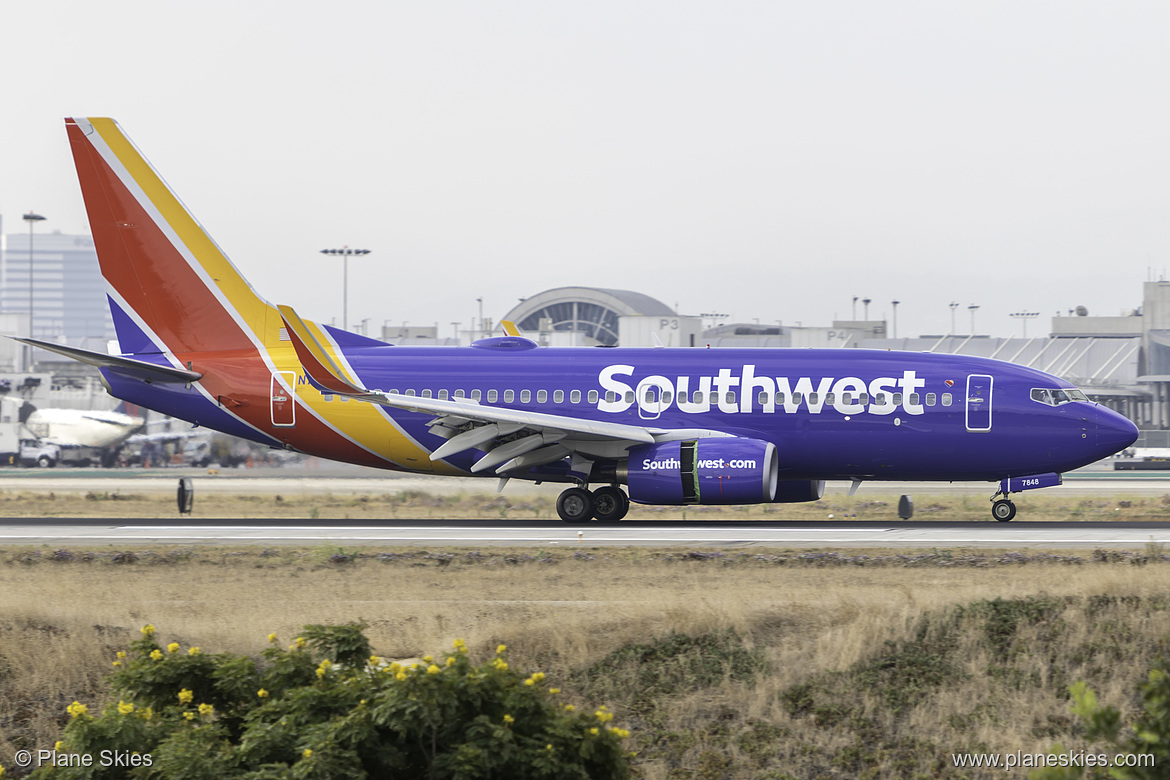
1115, 432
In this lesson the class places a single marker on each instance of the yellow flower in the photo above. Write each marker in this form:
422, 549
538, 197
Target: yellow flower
428, 659
194, 651
299, 641
554, 691
548, 746
570, 708
395, 668
77, 709
509, 719
500, 650
530, 682
121, 654
188, 715
272, 637
375, 660
148, 630
460, 646
125, 708
263, 694
432, 669
173, 647
500, 664
58, 745
156, 655
538, 677
206, 709
148, 713
621, 733
450, 660
117, 663
186, 695
308, 753
603, 716
324, 668
594, 731
400, 676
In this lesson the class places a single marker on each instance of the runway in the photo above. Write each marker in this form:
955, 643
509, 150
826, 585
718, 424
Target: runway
1059, 535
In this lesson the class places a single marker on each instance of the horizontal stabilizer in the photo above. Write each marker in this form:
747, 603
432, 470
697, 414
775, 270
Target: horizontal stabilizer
139, 369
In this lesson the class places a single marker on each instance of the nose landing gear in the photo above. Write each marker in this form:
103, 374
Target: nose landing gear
1003, 510
578, 505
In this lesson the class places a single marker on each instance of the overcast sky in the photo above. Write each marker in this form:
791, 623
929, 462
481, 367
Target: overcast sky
764, 160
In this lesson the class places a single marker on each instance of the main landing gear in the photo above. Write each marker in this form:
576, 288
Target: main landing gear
578, 505
1003, 510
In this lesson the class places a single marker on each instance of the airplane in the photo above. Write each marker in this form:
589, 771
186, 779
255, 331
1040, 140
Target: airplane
652, 426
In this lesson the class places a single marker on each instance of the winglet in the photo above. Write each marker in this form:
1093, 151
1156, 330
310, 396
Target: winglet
315, 360
510, 327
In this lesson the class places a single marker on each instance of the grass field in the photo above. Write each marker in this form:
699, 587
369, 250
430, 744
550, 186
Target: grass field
773, 664
769, 664
155, 501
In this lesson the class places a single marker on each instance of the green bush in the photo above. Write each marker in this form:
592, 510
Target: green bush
1148, 734
326, 708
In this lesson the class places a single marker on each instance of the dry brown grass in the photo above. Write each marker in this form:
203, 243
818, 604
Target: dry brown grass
152, 500
60, 623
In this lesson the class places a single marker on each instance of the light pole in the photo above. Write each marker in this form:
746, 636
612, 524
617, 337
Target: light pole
345, 252
953, 306
972, 309
865, 305
895, 305
855, 308
1023, 317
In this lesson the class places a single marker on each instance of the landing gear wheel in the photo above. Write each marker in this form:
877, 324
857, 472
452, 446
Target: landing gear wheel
1003, 510
575, 506
610, 504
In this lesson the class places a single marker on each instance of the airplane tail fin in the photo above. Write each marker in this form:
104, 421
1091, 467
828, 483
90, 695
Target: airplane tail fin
171, 288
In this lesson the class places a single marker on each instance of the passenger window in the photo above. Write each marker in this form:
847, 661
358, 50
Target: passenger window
729, 397
651, 395
327, 397
525, 396
443, 395
629, 396
558, 396
797, 398
475, 396
575, 396
946, 399
914, 400
458, 393
930, 399
847, 398
830, 398
682, 397
812, 399
542, 396
610, 396
698, 396
410, 392
426, 393
493, 396
780, 398
509, 395
592, 396
880, 399
863, 399
666, 398
897, 399
762, 398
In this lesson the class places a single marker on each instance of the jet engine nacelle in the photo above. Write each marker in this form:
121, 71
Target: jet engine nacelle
706, 471
793, 491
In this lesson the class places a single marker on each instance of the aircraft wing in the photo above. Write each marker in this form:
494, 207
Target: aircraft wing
513, 439
139, 369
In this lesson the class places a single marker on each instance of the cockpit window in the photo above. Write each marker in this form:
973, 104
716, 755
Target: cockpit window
1055, 396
